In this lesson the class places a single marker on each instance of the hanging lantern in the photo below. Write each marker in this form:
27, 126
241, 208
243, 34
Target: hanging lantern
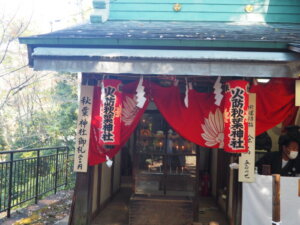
235, 116
110, 113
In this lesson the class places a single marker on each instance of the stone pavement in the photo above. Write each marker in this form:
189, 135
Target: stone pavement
43, 204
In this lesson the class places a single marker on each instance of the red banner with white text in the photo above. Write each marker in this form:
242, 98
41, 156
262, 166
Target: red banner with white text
236, 102
110, 113
130, 117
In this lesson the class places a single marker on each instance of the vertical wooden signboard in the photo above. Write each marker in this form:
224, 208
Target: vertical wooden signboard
247, 160
83, 128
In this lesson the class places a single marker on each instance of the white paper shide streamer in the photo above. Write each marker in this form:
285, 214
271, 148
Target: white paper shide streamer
186, 98
218, 91
140, 94
102, 93
109, 162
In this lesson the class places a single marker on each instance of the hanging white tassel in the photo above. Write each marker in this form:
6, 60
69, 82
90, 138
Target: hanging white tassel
186, 98
218, 91
109, 162
140, 94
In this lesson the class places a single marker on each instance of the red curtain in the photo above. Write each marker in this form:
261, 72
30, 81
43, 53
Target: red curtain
202, 121
275, 101
130, 118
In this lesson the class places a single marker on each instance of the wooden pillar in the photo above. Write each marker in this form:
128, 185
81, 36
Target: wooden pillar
299, 188
276, 199
239, 203
81, 213
99, 189
236, 203
135, 163
112, 177
234, 198
197, 183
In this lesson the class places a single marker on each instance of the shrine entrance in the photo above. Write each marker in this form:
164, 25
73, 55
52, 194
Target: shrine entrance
166, 163
161, 177
165, 174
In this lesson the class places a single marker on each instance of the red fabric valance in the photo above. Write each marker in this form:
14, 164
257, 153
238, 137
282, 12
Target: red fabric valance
275, 101
202, 121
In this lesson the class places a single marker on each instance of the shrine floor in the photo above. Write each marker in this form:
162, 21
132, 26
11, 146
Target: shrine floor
116, 211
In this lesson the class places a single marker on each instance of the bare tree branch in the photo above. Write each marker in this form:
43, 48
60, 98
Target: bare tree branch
17, 88
15, 70
20, 30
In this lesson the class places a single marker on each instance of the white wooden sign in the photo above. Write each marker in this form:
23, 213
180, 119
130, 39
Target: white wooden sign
247, 160
83, 129
297, 94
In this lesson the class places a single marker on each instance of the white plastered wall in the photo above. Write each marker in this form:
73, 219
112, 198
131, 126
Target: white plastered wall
105, 183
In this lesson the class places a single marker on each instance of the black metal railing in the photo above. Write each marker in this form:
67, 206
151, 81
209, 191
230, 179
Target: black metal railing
30, 174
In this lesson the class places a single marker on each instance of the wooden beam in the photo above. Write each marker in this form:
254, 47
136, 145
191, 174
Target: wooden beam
197, 183
112, 177
299, 187
98, 207
135, 162
90, 194
99, 186
82, 204
235, 196
276, 199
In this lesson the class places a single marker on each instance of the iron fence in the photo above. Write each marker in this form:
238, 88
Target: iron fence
30, 174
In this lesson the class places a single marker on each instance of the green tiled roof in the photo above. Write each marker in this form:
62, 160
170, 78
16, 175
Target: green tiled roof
171, 34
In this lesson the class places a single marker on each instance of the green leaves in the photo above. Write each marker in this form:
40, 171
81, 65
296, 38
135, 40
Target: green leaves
42, 115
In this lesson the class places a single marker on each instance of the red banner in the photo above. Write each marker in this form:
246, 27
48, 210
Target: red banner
236, 102
110, 113
130, 117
